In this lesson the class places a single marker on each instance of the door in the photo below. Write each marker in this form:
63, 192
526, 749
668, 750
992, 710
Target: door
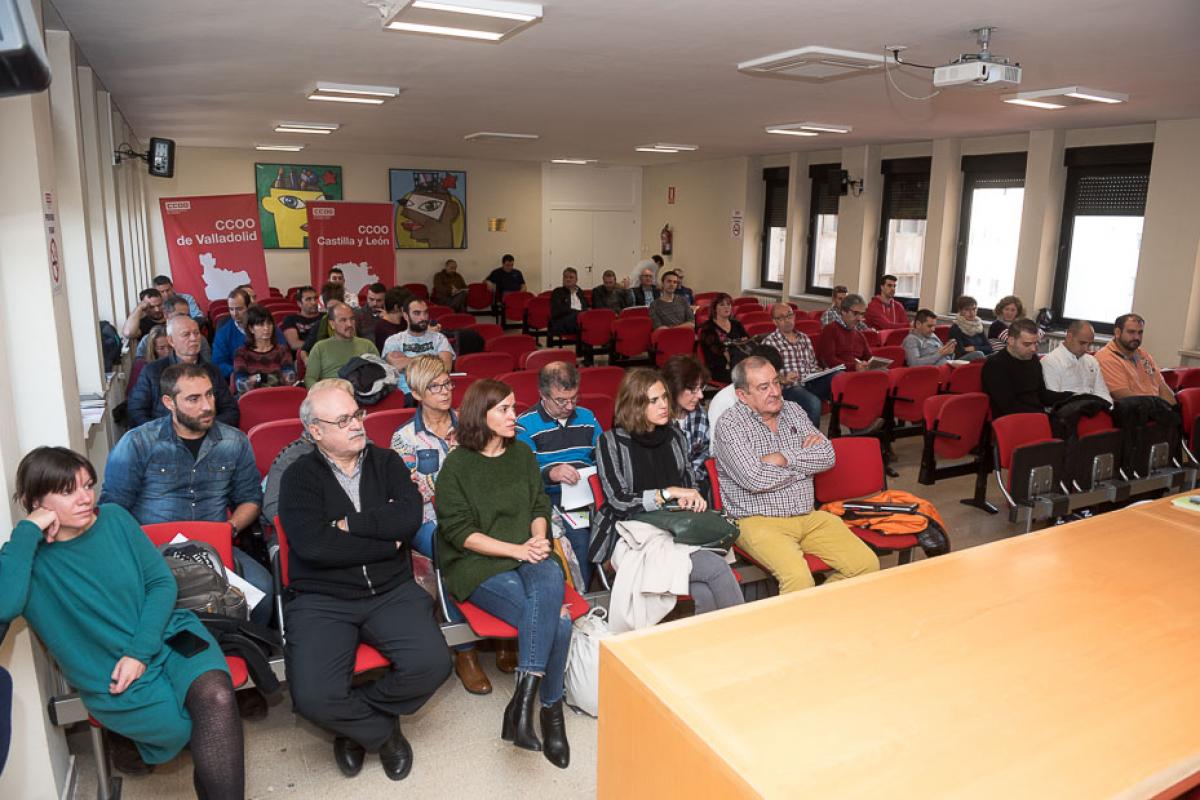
591, 242
570, 246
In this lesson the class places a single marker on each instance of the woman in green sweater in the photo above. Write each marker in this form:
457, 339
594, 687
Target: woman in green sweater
99, 595
493, 530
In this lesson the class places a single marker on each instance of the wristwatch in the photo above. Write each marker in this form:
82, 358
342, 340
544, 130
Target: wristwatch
666, 495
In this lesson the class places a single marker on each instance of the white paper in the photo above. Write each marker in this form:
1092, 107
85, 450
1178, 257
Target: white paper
580, 494
253, 594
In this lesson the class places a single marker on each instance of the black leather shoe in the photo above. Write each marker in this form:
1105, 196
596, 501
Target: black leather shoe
508, 728
525, 704
348, 755
396, 755
554, 736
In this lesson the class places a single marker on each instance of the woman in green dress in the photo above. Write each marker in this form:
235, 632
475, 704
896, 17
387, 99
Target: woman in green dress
102, 599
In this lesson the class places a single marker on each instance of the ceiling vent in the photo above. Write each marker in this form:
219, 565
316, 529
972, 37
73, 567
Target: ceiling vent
813, 63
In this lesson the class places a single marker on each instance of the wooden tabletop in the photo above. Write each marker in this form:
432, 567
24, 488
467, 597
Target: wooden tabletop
1058, 664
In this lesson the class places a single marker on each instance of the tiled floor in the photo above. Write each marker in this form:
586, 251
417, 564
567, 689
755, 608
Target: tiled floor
458, 751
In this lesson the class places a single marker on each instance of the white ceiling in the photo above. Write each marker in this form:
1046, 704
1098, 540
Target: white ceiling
597, 77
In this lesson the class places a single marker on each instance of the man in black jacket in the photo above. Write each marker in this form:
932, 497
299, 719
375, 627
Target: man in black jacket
145, 401
1012, 377
565, 304
349, 511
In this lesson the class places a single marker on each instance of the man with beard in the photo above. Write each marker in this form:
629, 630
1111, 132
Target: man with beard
145, 401
145, 315
190, 467
419, 340
1128, 370
328, 356
367, 315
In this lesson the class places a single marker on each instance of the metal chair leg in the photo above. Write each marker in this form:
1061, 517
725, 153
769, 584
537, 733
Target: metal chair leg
108, 786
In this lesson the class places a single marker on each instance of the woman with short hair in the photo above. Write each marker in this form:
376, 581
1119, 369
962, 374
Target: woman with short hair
643, 466
100, 596
971, 343
494, 551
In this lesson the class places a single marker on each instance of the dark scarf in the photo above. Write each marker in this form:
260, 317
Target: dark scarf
653, 460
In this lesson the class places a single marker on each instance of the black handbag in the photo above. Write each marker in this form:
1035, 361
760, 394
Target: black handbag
694, 528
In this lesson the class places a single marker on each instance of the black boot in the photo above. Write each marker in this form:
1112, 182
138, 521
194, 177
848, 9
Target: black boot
555, 747
518, 717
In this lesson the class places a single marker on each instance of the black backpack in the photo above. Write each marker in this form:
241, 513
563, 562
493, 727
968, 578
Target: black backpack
110, 345
202, 580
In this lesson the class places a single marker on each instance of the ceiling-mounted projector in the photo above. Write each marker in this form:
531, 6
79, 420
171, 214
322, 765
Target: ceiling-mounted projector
982, 68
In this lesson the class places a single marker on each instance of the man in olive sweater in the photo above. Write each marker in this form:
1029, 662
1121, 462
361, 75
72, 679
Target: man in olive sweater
349, 510
328, 356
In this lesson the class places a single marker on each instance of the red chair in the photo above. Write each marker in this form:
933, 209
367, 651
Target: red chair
218, 307
1171, 377
1190, 379
456, 322
748, 303
461, 384
485, 365
761, 328
896, 354
1012, 433
514, 308
268, 438
857, 472
366, 658
955, 428
668, 342
537, 318
595, 332
601, 405
631, 339
479, 298
601, 380
515, 344
269, 404
702, 315
273, 292
808, 327
750, 317
704, 298
524, 385
392, 401
539, 358
893, 337
1189, 409
965, 379
635, 311
293, 293
438, 313
873, 339
380, 425
487, 330
908, 388
942, 332
422, 291
218, 319
857, 400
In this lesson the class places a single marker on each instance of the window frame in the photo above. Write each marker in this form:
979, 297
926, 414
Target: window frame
975, 169
1086, 162
893, 169
772, 177
820, 176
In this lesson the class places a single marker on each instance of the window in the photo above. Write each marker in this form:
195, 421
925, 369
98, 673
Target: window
902, 223
989, 227
1101, 237
774, 235
822, 226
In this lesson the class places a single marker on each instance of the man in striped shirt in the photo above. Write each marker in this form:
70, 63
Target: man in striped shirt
799, 361
563, 437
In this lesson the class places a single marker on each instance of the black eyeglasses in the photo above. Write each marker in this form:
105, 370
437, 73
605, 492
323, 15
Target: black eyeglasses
440, 388
344, 420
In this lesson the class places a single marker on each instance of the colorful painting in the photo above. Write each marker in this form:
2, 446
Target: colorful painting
431, 208
283, 191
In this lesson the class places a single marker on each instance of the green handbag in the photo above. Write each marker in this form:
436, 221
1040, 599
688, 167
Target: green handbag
692, 528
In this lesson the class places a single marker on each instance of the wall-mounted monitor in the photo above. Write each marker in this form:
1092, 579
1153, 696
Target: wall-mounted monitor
23, 65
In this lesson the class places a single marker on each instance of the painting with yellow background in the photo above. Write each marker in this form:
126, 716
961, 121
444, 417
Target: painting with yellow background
284, 192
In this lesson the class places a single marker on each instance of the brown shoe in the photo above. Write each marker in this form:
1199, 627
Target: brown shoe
466, 665
506, 657
124, 755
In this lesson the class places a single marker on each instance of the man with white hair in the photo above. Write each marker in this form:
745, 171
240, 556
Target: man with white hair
349, 510
145, 401
646, 291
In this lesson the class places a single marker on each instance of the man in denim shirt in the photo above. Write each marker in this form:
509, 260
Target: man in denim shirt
187, 467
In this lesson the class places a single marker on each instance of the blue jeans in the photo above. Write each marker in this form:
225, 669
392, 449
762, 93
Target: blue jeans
260, 578
809, 396
530, 598
422, 542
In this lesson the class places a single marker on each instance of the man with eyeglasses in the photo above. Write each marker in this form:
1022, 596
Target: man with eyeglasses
799, 361
841, 341
349, 510
563, 436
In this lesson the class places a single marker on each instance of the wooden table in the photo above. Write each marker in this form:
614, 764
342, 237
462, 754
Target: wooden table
1058, 664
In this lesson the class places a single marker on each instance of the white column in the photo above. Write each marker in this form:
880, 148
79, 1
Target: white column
858, 221
795, 261
1041, 216
941, 225
112, 212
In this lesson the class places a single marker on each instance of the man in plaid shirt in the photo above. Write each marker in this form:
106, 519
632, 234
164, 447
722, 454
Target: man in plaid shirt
767, 452
799, 361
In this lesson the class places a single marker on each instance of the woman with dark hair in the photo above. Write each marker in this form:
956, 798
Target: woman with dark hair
1009, 308
715, 335
262, 360
685, 377
971, 343
643, 466
99, 594
495, 551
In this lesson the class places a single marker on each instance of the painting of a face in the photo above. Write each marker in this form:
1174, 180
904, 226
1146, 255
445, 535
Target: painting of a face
429, 217
288, 206
430, 208
284, 192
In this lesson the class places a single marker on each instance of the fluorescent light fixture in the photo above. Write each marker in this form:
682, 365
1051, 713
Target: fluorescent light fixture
807, 128
480, 11
306, 127
286, 148
482, 20
1063, 97
497, 136
653, 149
325, 87
333, 98
814, 63
788, 130
579, 161
824, 127
666, 147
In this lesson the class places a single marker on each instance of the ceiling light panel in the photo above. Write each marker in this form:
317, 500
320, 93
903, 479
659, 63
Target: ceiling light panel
353, 93
577, 161
1064, 96
285, 148
665, 147
306, 127
813, 63
498, 136
481, 20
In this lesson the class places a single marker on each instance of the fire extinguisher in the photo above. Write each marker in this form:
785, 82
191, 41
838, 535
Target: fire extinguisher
666, 236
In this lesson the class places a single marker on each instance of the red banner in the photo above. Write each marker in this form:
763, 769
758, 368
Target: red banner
355, 237
214, 245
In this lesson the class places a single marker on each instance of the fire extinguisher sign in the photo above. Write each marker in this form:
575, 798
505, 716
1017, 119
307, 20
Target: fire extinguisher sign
735, 224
